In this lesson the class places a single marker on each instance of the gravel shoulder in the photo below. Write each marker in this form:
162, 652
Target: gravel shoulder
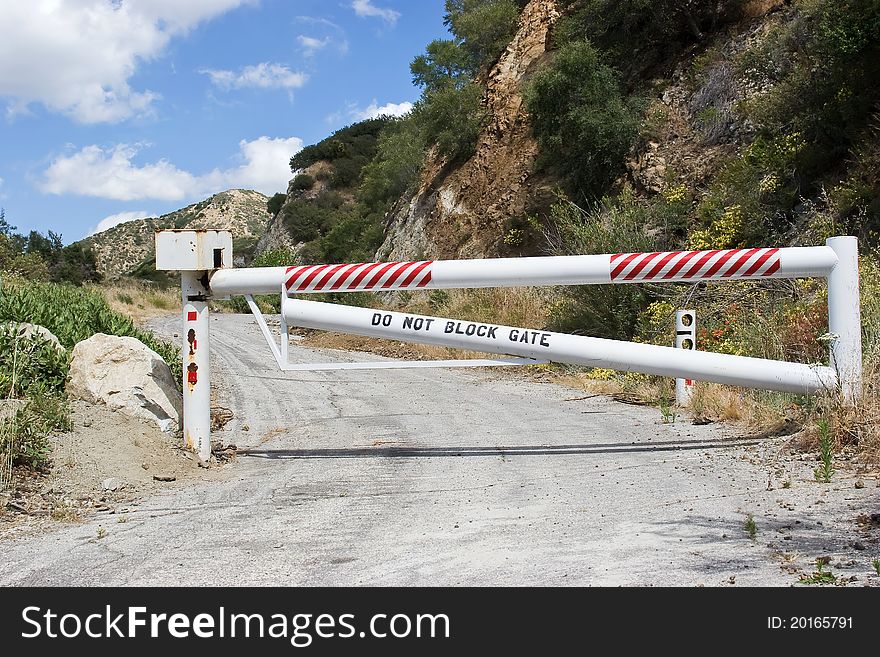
436, 477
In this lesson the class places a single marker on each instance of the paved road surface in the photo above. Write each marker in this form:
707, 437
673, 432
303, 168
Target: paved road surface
432, 477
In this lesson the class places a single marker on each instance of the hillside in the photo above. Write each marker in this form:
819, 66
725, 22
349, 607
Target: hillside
123, 248
323, 217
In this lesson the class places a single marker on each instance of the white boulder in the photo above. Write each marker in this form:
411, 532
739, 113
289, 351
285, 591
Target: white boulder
127, 376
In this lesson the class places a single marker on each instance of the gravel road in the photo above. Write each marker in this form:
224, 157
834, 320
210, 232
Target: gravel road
438, 477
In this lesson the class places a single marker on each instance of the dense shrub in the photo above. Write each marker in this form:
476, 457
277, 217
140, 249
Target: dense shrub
452, 119
274, 204
302, 183
306, 220
275, 258
581, 119
397, 164
825, 64
356, 141
606, 311
642, 38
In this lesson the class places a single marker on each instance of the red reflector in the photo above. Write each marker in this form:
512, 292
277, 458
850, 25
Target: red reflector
688, 382
192, 316
192, 377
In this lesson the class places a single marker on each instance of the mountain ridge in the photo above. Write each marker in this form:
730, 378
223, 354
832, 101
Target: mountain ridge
122, 249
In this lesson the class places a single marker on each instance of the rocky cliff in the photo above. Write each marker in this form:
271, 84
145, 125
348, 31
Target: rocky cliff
466, 211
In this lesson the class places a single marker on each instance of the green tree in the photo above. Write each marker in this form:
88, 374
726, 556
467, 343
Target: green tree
445, 64
39, 257
484, 27
5, 228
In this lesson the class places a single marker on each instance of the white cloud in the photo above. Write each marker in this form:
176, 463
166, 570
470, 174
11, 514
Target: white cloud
77, 57
266, 166
265, 75
111, 173
116, 219
366, 9
373, 110
311, 45
317, 20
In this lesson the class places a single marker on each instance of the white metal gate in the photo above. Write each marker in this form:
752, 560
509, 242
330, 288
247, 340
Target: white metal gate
203, 256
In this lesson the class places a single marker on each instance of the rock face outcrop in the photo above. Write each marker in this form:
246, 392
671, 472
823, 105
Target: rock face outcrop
127, 376
464, 212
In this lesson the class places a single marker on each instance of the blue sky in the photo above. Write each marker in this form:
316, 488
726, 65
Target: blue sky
115, 109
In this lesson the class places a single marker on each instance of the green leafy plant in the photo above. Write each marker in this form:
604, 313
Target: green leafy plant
32, 374
876, 564
74, 314
820, 575
824, 473
751, 527
667, 411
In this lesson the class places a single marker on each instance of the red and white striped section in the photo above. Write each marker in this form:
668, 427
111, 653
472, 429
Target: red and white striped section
362, 276
695, 265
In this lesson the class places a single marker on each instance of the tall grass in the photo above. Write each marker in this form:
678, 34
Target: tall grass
139, 300
32, 375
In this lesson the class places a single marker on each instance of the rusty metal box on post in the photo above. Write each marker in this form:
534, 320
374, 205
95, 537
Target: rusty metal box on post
193, 250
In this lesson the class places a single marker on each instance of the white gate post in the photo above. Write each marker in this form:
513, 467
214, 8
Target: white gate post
844, 317
195, 254
196, 364
685, 338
